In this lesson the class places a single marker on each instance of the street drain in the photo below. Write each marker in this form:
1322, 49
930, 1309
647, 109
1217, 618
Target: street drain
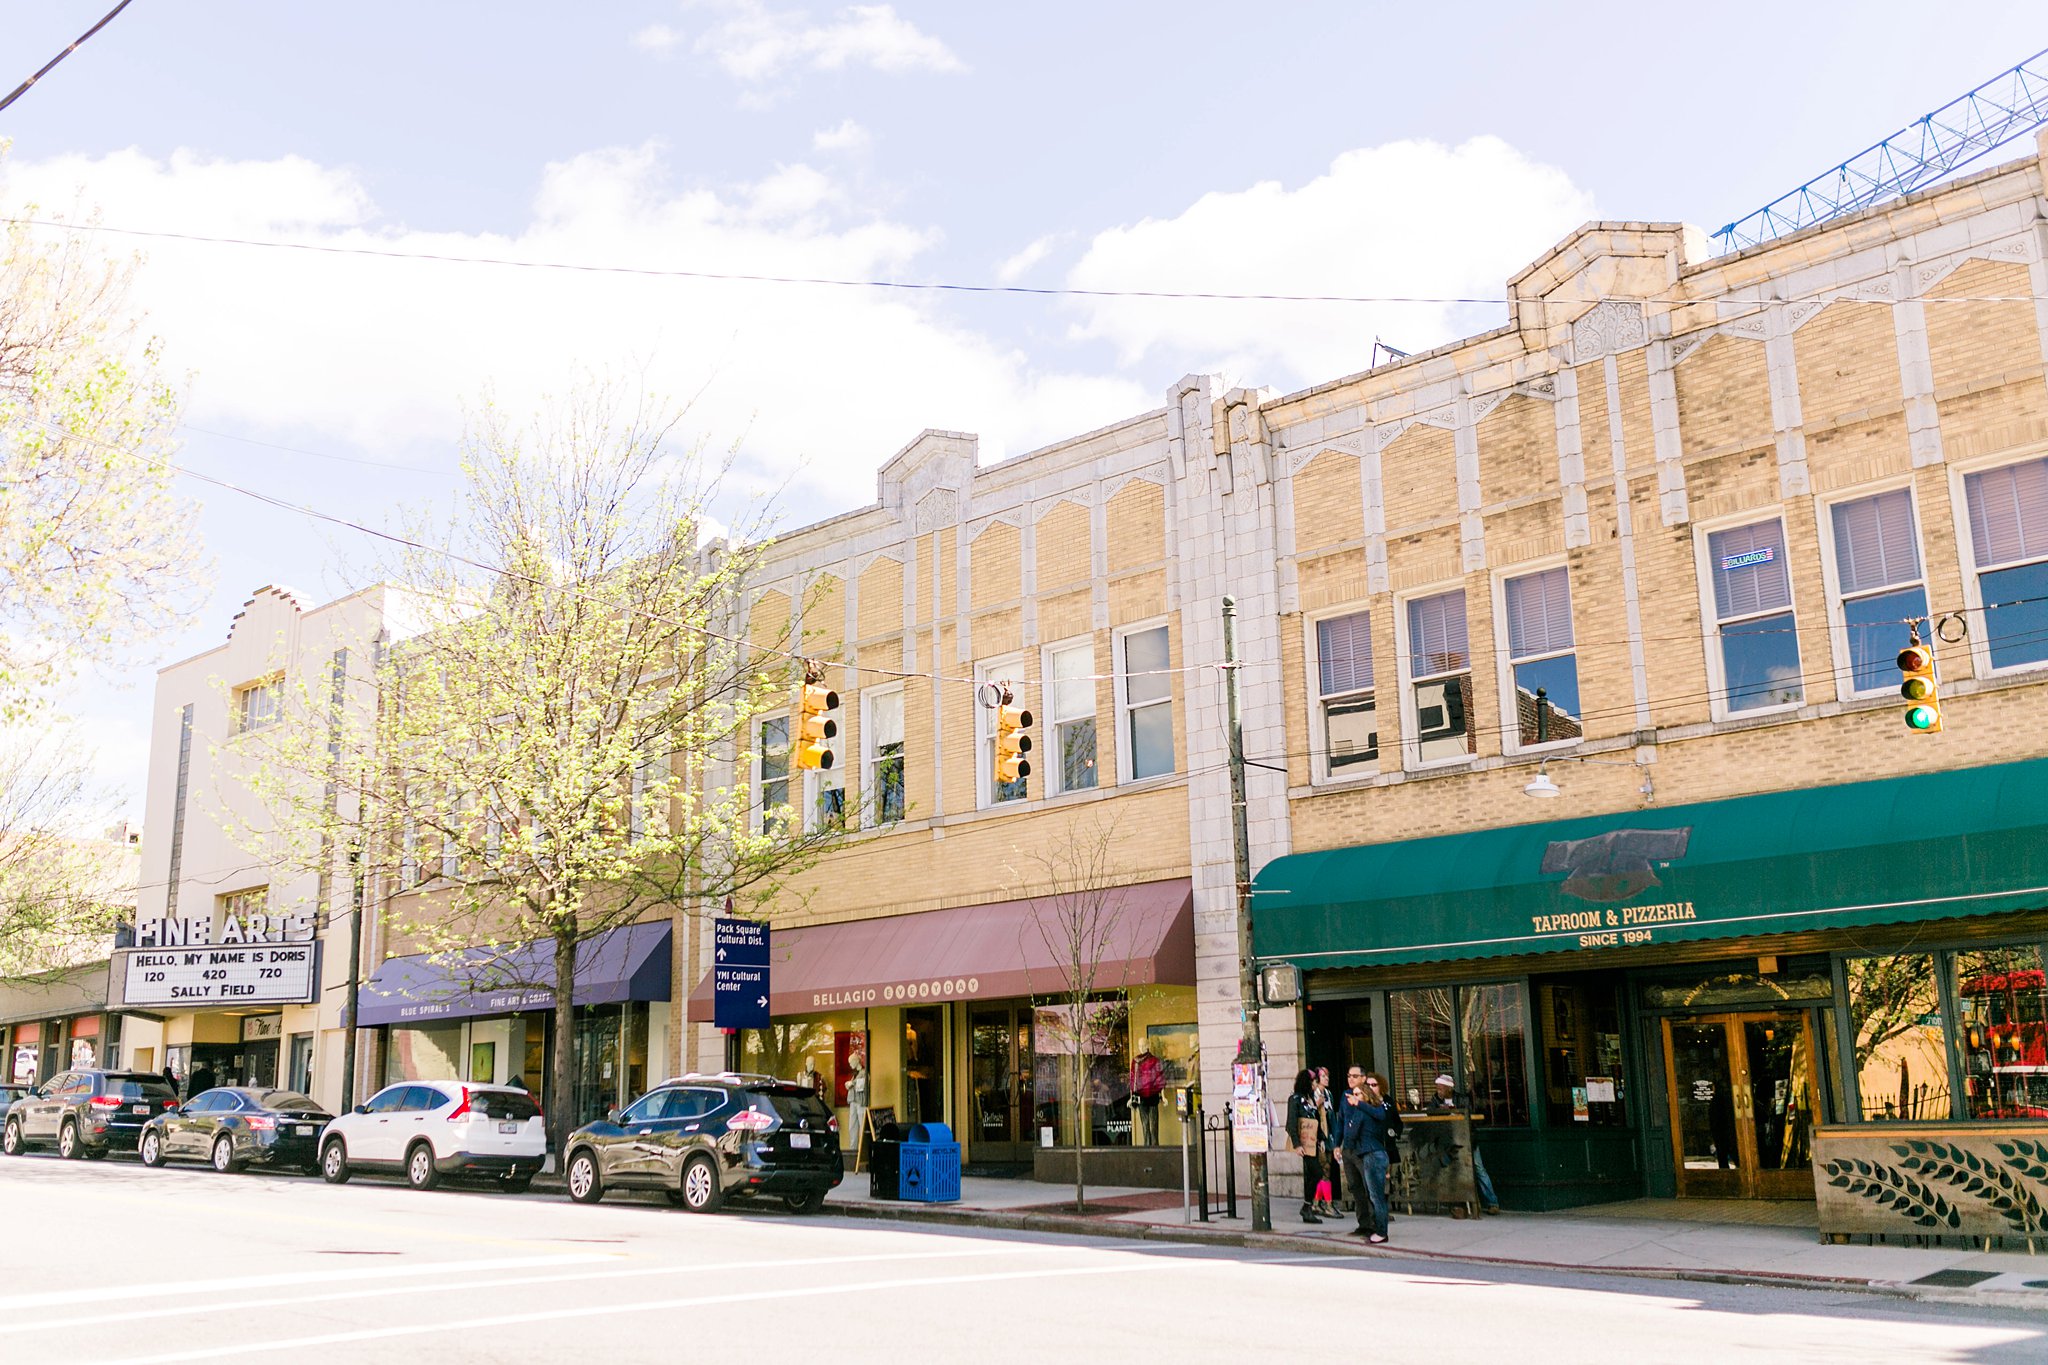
1957, 1279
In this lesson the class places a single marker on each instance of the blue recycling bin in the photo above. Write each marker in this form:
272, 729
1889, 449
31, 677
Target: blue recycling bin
930, 1171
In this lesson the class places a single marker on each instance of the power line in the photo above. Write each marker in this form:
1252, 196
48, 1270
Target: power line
76, 43
912, 286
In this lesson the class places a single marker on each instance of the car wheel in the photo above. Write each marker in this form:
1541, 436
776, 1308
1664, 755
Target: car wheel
152, 1150
334, 1163
810, 1201
586, 1185
224, 1155
419, 1167
67, 1141
700, 1185
11, 1141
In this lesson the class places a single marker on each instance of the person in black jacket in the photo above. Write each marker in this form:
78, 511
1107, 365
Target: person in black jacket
1365, 1119
1304, 1131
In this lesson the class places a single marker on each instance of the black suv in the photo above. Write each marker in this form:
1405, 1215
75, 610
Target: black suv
87, 1113
705, 1139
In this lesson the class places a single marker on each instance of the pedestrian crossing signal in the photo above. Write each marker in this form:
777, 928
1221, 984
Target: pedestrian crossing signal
1918, 687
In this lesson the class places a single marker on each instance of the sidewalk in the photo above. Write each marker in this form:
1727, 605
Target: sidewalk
1642, 1237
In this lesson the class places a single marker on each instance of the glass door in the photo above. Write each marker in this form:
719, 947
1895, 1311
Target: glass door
1742, 1104
999, 1062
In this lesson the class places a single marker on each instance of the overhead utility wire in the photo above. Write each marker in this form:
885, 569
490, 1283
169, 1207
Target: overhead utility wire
925, 286
76, 43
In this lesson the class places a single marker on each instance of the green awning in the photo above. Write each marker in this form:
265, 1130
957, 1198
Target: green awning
1938, 845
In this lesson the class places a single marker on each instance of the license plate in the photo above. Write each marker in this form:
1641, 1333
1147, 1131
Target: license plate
799, 1140
302, 1129
138, 1109
508, 1127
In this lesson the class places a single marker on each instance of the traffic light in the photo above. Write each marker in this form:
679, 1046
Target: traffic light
814, 729
1011, 741
1917, 686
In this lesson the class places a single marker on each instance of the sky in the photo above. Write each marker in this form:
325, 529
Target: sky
1196, 147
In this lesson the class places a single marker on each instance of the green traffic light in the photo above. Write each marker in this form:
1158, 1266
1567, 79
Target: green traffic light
1922, 718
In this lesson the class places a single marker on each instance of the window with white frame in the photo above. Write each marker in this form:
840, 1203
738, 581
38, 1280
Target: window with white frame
1344, 694
244, 905
1145, 695
1009, 675
1879, 580
1542, 657
882, 743
1753, 625
771, 763
1070, 698
2009, 549
1440, 677
259, 704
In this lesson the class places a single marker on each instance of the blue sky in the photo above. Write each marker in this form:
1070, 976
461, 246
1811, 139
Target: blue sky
1309, 148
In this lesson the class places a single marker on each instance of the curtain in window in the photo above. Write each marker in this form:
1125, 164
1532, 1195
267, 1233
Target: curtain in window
2009, 512
1344, 653
1874, 545
1748, 566
1539, 613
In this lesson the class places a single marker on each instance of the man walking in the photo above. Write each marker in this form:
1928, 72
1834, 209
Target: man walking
1448, 1101
1362, 1121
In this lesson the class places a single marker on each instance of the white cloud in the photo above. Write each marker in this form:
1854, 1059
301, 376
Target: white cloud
318, 349
1408, 219
847, 137
1017, 266
755, 43
660, 39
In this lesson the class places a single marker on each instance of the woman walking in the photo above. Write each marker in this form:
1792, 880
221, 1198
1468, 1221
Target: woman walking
1305, 1131
1325, 1197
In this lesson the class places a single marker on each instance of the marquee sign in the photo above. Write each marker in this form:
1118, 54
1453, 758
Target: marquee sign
271, 974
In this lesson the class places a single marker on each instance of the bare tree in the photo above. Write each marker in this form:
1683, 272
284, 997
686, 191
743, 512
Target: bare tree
61, 896
1079, 907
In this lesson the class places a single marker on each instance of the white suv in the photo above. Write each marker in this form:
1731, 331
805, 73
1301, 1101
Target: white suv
431, 1129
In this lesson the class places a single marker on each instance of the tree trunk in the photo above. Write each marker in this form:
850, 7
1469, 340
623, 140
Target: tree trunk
562, 1104
1080, 1116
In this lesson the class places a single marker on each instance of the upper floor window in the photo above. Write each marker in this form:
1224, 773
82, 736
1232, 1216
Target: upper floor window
882, 742
1344, 694
243, 905
1147, 702
772, 761
259, 704
2009, 544
1009, 675
1877, 573
1070, 700
1542, 657
1759, 641
1440, 677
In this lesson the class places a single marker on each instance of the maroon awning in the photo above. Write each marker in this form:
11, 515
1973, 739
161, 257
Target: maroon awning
976, 952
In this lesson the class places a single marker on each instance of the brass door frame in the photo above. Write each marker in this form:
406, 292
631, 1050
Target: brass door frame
1016, 1035
1750, 1180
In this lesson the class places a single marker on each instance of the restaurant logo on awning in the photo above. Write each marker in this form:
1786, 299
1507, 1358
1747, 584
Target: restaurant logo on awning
1614, 866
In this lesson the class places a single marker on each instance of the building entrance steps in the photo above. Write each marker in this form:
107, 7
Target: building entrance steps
1717, 1240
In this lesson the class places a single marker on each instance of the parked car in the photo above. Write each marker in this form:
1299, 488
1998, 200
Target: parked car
9, 1094
705, 1139
237, 1126
430, 1129
87, 1113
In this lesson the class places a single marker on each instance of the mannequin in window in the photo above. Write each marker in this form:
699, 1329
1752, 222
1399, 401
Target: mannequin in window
857, 1098
1148, 1082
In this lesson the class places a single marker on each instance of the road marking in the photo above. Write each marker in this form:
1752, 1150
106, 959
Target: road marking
58, 1298
607, 1310
246, 1305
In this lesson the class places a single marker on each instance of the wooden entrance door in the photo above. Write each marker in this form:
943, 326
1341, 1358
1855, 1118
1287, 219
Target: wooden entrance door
1742, 1104
999, 1075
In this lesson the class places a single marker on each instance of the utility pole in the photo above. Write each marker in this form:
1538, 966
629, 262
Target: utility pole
355, 977
1250, 1050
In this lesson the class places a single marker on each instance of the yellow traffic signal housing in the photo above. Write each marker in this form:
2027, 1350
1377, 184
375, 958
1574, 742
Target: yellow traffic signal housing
1918, 687
814, 729
1012, 743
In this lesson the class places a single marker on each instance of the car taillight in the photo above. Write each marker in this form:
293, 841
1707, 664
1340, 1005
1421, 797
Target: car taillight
749, 1121
105, 1102
170, 1106
460, 1111
262, 1123
833, 1123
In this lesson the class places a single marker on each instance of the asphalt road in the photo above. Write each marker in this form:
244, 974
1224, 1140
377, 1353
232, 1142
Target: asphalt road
109, 1261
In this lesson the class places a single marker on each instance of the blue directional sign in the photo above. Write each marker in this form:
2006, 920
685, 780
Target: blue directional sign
739, 973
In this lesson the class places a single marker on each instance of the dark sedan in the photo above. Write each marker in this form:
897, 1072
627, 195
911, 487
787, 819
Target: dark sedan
235, 1126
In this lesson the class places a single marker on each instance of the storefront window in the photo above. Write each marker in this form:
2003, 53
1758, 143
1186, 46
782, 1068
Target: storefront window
1582, 1059
2002, 1033
1081, 1082
1901, 1049
1495, 1023
1420, 1023
424, 1054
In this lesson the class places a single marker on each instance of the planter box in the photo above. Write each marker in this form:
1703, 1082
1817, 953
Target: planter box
1933, 1179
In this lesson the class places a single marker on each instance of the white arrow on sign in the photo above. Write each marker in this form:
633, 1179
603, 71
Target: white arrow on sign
721, 954
763, 1002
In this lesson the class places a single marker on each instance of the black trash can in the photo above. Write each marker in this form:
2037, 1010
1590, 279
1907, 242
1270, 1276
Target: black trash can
885, 1164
